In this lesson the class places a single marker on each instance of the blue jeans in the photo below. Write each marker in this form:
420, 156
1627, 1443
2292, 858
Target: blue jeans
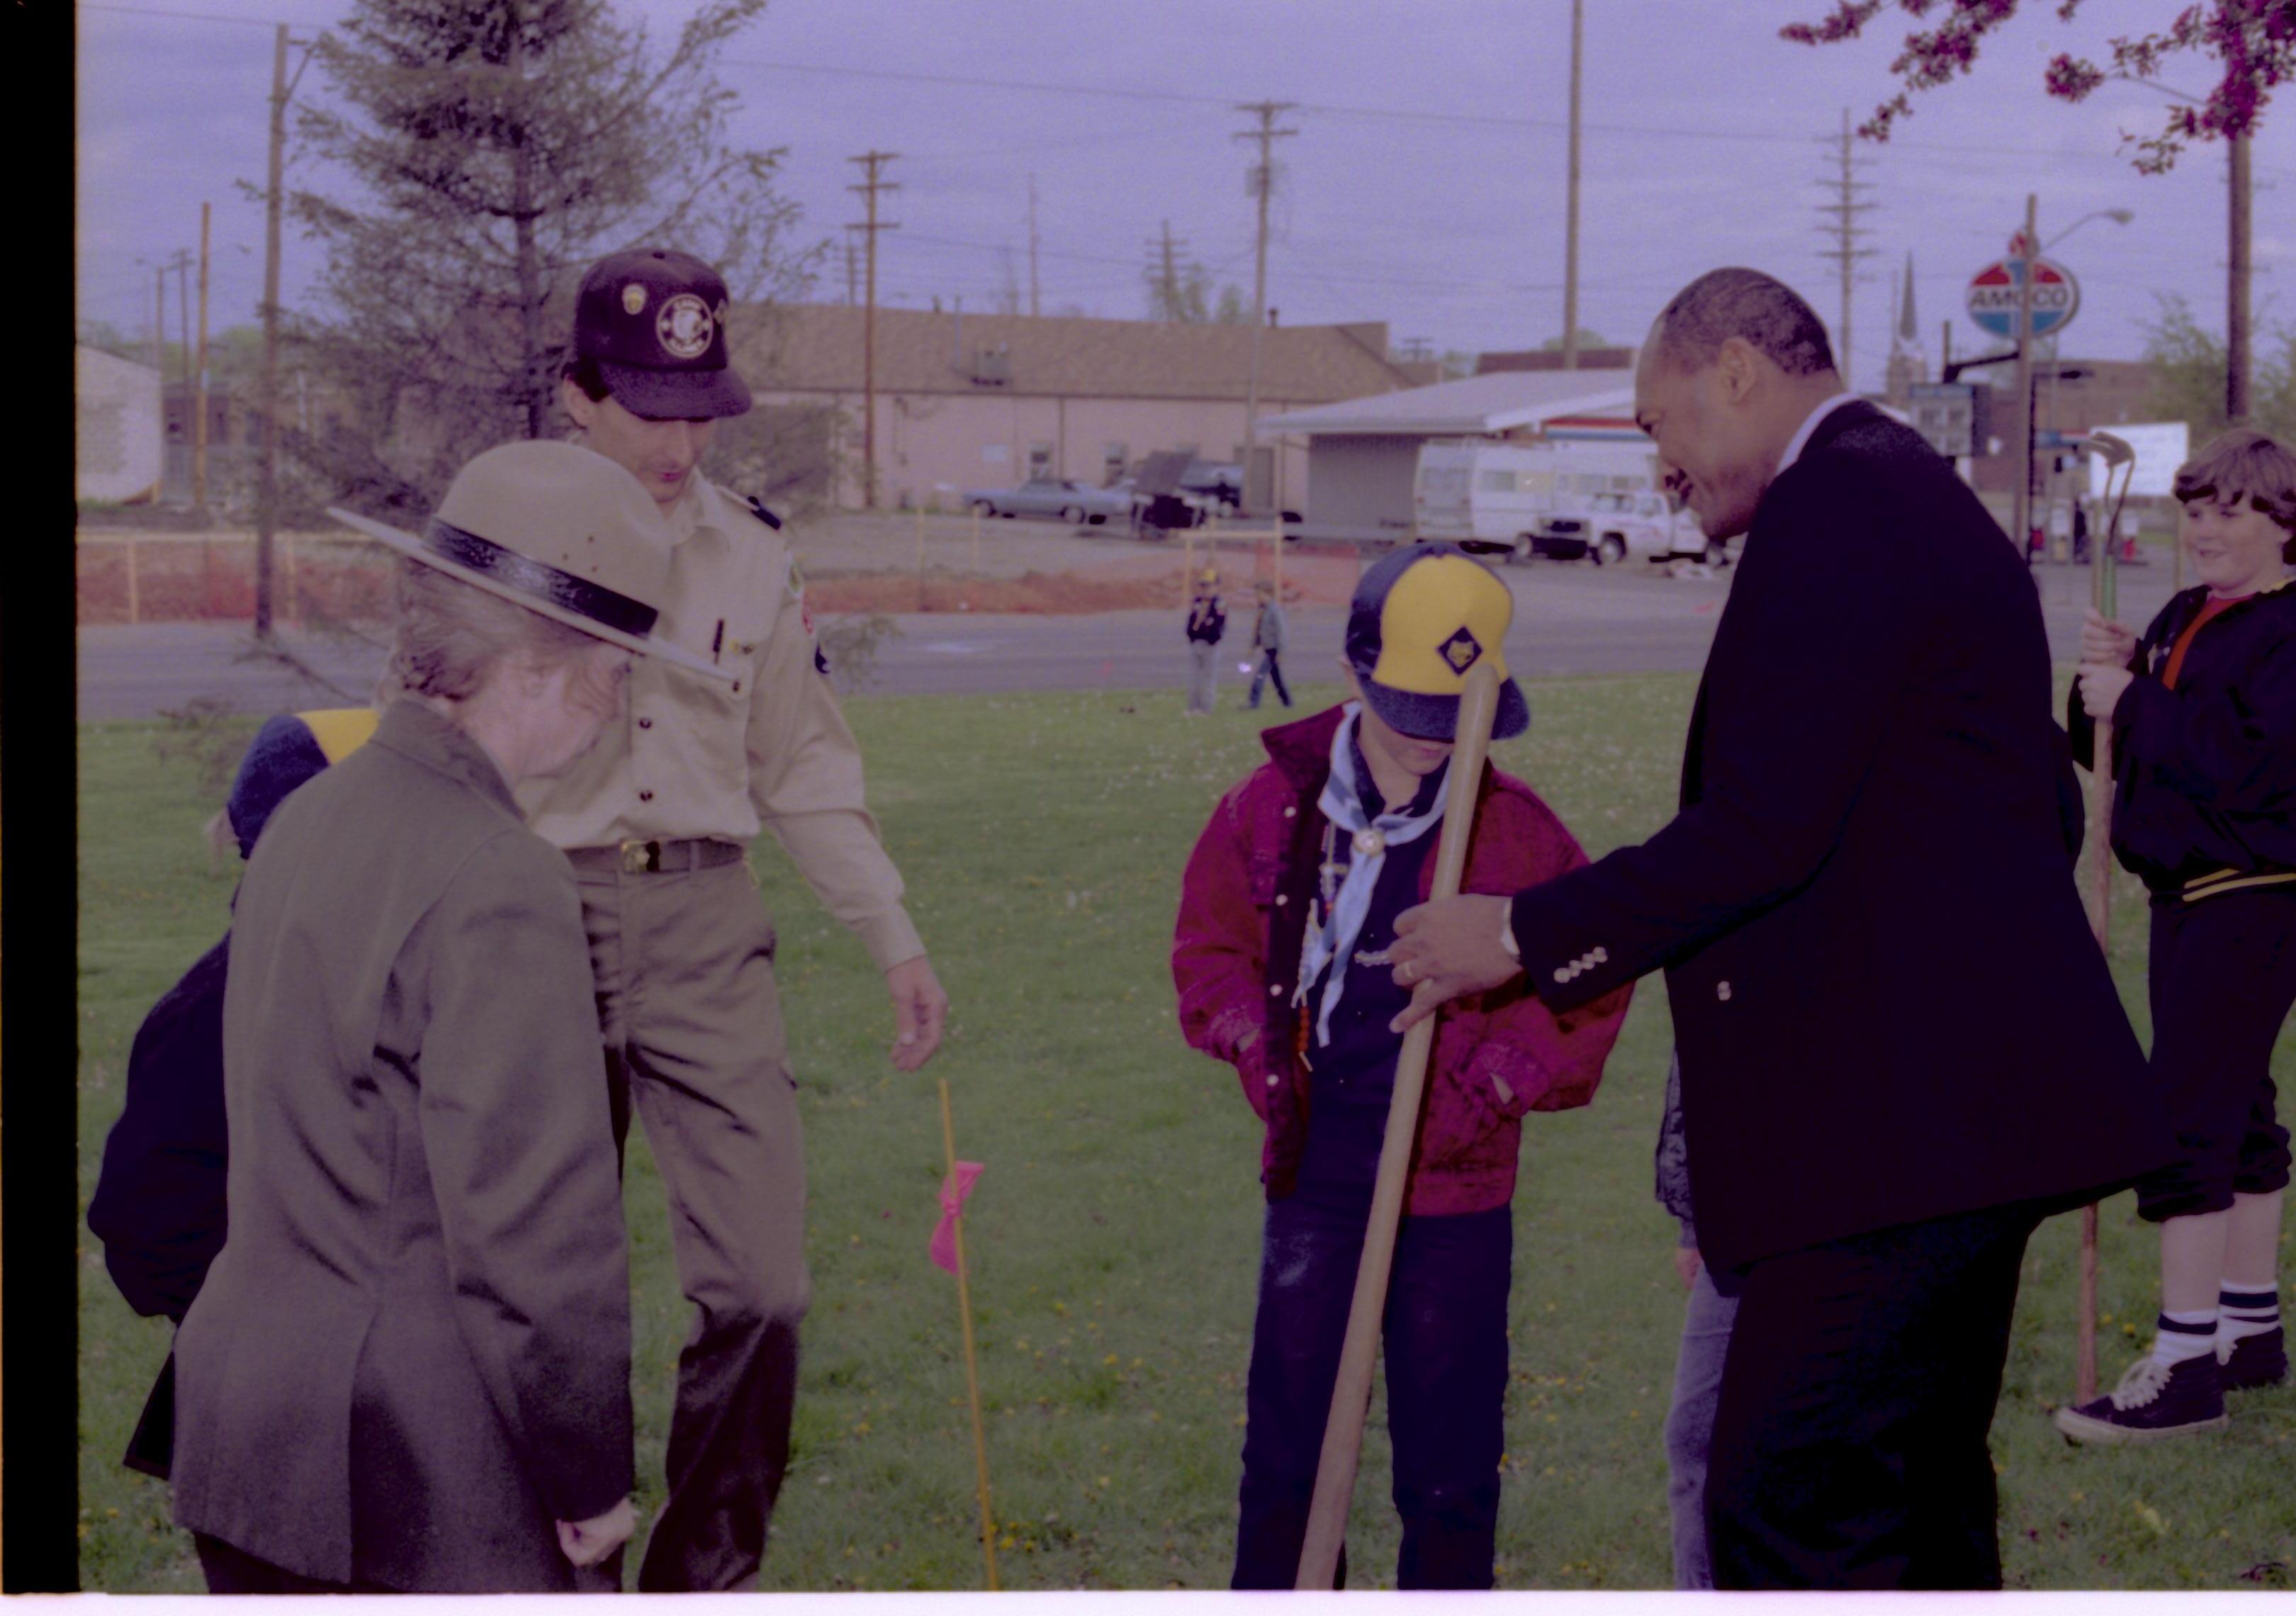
1706, 1323
1446, 1349
1270, 668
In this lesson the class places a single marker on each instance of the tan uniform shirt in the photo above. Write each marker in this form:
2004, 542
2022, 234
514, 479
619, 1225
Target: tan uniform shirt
695, 757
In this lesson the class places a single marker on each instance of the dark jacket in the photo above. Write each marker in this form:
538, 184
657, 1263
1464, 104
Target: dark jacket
2206, 773
413, 1354
1236, 962
1886, 996
1207, 620
159, 1201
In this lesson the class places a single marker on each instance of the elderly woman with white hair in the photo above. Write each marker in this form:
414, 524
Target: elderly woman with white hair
409, 1367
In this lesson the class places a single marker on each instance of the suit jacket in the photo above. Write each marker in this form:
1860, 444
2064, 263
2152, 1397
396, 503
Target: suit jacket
413, 1353
1887, 1001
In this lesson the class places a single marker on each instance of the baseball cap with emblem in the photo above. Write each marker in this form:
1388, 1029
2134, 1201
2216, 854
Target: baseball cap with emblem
1422, 617
653, 321
559, 529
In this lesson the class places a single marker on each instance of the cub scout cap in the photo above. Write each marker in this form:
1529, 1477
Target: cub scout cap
1422, 617
559, 529
290, 748
654, 321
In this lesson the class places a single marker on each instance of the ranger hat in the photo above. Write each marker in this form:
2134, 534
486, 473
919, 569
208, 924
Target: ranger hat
559, 529
1422, 617
654, 323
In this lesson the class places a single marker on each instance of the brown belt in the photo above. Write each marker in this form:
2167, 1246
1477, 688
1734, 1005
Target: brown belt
655, 857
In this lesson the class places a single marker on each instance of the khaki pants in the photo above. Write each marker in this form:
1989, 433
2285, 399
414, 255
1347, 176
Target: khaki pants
693, 1027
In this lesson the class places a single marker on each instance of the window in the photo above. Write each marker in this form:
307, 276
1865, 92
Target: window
994, 453
1040, 460
1113, 459
1494, 482
1538, 482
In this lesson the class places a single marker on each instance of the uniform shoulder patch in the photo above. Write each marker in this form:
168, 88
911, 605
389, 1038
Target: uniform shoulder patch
758, 509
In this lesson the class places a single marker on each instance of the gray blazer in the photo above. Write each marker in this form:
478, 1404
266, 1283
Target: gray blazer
413, 1353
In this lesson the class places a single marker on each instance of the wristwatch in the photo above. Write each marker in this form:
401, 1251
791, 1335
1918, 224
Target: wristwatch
1507, 935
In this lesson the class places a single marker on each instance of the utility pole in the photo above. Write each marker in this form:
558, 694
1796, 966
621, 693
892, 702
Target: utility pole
199, 379
2237, 330
1262, 180
160, 326
1033, 309
527, 250
873, 163
181, 266
852, 270
1570, 216
2026, 255
266, 499
1164, 275
1847, 233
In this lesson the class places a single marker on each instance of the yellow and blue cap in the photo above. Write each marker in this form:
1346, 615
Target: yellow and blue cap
1422, 618
287, 750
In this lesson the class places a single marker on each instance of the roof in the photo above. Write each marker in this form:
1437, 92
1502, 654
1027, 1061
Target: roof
1498, 402
817, 347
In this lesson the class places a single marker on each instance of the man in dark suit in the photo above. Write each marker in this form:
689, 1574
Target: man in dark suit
1901, 1046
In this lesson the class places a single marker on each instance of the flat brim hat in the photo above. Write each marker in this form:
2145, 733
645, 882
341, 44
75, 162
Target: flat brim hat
561, 530
1422, 618
653, 321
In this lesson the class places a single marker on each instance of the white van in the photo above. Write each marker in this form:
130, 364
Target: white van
1499, 493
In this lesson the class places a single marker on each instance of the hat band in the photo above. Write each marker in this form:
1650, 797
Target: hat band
541, 580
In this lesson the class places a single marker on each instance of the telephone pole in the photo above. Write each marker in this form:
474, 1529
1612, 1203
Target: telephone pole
1261, 181
266, 498
1164, 275
873, 163
1570, 217
2236, 329
182, 264
1033, 309
1847, 233
199, 379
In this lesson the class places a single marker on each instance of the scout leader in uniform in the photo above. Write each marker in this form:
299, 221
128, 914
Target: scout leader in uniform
409, 1367
656, 821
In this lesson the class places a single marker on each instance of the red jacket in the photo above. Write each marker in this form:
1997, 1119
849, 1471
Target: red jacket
1235, 961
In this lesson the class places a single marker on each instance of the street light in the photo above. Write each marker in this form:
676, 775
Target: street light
2023, 506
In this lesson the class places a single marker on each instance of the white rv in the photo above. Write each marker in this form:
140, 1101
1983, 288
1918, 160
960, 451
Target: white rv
1499, 493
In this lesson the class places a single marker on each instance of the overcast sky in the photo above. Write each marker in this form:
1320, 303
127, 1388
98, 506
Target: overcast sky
1424, 188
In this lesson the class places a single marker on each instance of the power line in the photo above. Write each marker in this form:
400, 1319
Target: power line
153, 10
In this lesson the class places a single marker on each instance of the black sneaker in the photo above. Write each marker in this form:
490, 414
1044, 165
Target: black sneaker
2153, 1400
2255, 1360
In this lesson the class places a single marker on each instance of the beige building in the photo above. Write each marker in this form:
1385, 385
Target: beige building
117, 441
985, 401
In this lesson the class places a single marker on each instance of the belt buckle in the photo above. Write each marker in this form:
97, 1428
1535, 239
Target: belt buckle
640, 858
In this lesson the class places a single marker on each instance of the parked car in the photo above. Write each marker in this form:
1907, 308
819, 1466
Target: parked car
1611, 527
1059, 498
1212, 480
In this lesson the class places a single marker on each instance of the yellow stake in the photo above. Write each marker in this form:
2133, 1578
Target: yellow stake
971, 1368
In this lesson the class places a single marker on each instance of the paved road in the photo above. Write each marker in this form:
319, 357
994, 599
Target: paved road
1568, 619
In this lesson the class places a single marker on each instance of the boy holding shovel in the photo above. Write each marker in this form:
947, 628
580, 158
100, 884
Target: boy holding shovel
1286, 914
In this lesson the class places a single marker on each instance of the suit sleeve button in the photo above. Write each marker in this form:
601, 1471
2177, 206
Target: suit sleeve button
645, 796
1275, 991
1722, 991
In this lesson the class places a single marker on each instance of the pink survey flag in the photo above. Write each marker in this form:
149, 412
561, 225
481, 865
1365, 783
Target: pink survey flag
953, 1189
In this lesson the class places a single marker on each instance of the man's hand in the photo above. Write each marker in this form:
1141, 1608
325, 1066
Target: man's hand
2101, 687
920, 1012
585, 1542
2105, 641
1686, 1264
1448, 947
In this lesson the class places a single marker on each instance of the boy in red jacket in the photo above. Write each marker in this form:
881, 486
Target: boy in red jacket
1286, 915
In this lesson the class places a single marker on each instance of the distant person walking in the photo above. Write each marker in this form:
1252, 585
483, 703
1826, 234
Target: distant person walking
1206, 627
1268, 638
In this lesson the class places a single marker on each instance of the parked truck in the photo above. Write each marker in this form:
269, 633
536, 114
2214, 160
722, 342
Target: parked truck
1500, 493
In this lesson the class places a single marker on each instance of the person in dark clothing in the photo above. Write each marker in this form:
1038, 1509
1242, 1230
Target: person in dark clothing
2203, 712
1206, 627
1268, 637
1871, 839
159, 1201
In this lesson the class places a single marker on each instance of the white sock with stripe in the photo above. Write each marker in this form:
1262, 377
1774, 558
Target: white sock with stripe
2185, 1335
2246, 1308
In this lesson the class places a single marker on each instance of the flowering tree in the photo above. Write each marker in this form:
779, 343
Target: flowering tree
2254, 41
2253, 44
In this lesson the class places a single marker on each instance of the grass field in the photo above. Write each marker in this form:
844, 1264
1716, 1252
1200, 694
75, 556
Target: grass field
1114, 1238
